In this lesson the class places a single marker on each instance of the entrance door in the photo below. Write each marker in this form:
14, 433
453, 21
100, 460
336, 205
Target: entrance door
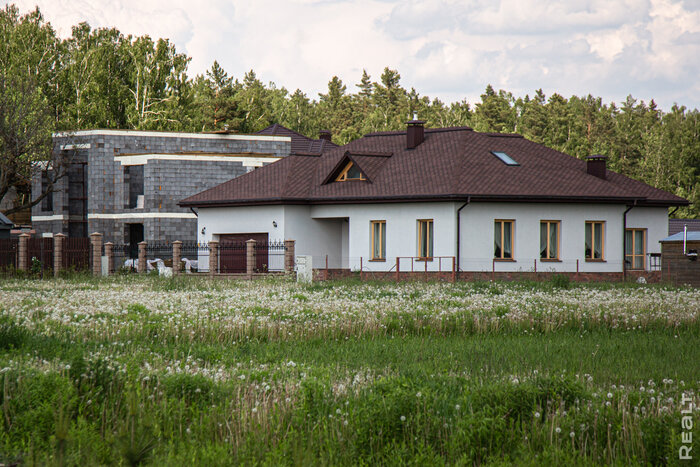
232, 252
135, 237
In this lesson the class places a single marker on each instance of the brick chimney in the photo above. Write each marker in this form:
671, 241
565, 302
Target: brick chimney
595, 165
414, 132
324, 134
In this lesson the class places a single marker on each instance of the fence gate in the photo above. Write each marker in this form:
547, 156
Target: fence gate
232, 252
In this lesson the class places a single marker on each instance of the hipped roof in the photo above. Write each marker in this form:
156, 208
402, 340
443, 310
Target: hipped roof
300, 143
451, 163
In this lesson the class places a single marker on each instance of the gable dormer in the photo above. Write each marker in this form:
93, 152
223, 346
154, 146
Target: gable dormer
351, 171
358, 166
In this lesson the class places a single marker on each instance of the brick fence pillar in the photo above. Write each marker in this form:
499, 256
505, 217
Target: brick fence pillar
289, 256
213, 258
58, 242
23, 253
141, 266
109, 253
250, 257
177, 256
96, 241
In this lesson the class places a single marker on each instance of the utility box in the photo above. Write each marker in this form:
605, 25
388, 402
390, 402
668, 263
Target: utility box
105, 266
305, 272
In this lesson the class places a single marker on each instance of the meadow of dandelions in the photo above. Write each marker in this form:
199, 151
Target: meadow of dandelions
133, 370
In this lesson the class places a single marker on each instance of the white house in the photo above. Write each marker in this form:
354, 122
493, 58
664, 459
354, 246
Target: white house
425, 196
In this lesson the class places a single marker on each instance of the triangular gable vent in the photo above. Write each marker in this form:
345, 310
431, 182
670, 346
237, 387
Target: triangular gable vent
346, 170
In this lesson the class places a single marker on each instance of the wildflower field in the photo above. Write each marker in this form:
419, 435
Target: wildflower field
188, 371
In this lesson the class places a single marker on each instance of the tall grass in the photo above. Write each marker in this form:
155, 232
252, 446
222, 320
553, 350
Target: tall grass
145, 371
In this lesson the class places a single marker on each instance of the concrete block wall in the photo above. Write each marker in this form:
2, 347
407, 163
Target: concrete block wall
165, 181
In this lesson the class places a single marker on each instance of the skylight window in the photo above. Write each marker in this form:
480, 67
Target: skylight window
505, 158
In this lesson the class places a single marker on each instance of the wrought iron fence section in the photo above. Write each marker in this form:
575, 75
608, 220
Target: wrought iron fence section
159, 255
232, 257
270, 256
40, 254
77, 252
9, 253
123, 259
195, 256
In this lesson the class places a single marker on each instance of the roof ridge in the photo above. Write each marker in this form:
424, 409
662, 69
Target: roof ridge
426, 130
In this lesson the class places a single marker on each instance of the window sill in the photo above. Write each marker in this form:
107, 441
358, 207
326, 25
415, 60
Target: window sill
550, 260
589, 260
504, 260
378, 260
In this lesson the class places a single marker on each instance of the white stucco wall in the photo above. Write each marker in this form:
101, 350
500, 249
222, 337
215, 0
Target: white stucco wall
655, 220
244, 219
343, 232
316, 237
401, 232
478, 235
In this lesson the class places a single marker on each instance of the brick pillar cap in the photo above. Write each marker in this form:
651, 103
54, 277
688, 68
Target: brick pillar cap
214, 242
109, 243
178, 242
59, 235
251, 241
95, 234
143, 243
24, 235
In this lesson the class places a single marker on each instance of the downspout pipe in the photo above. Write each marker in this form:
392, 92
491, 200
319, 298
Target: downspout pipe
194, 212
459, 211
624, 239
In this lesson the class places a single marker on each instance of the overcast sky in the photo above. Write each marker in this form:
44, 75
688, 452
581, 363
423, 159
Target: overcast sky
442, 48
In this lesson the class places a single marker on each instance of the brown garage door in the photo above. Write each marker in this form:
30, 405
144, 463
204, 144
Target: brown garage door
232, 248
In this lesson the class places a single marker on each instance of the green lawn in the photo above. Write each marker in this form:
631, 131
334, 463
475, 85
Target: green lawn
143, 370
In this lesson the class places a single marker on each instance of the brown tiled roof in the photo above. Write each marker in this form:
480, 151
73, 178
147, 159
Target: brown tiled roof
300, 143
676, 225
452, 163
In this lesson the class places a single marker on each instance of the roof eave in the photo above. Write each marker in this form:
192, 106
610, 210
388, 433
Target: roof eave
428, 197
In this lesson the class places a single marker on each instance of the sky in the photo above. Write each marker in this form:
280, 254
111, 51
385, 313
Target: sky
443, 48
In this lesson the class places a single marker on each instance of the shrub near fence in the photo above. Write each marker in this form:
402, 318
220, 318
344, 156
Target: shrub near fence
40, 254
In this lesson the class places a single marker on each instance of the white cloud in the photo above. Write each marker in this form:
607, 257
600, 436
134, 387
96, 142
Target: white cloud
449, 49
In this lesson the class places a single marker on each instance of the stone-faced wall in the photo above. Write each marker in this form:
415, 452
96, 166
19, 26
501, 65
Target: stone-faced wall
677, 267
176, 165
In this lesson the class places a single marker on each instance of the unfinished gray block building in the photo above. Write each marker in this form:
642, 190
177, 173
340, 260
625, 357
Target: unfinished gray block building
126, 184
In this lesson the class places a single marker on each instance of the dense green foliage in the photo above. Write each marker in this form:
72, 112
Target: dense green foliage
151, 371
99, 78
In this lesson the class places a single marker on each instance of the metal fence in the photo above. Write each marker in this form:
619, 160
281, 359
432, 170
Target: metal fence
159, 255
9, 253
124, 258
275, 252
195, 257
77, 253
232, 258
40, 254
269, 257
